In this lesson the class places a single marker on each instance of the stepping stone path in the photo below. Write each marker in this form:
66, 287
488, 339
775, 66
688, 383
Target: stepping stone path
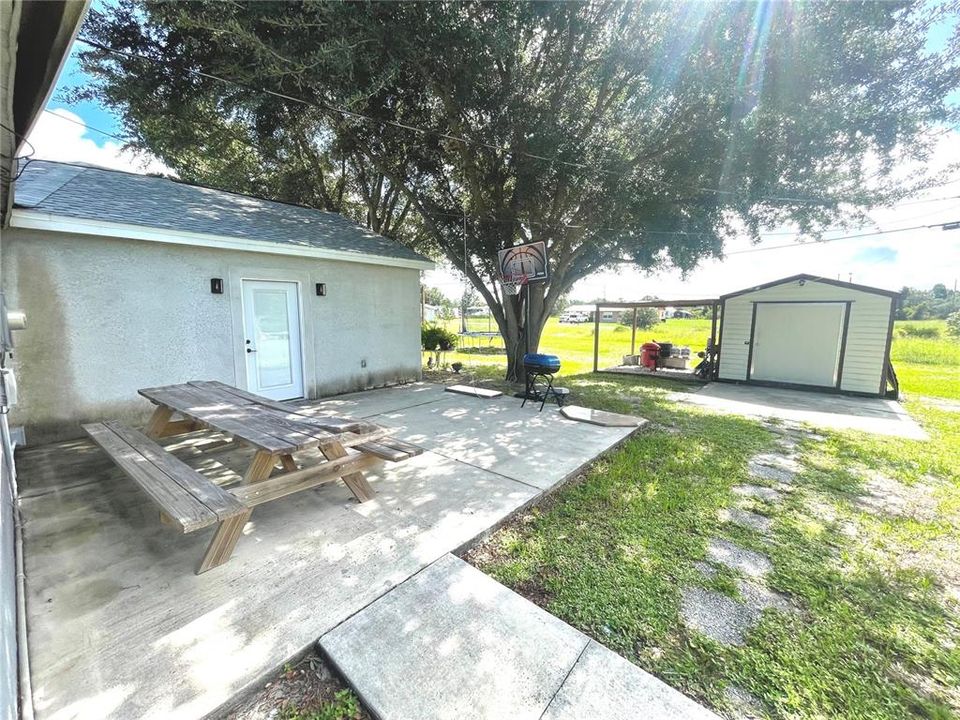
719, 617
725, 619
758, 491
748, 562
747, 519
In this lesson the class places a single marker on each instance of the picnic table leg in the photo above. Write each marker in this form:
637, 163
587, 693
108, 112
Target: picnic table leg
288, 463
158, 421
224, 541
355, 481
261, 467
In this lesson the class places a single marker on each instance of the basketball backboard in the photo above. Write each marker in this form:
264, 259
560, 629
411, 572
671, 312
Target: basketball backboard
521, 262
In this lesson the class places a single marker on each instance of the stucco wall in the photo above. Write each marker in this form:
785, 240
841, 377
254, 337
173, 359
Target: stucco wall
866, 334
106, 317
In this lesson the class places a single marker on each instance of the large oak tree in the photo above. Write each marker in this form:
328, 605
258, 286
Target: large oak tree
640, 133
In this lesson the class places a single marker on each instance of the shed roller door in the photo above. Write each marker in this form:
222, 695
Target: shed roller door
797, 343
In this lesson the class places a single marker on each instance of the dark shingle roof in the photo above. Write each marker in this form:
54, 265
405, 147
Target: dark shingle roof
113, 196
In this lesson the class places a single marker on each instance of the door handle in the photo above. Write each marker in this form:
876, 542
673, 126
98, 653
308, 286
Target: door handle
250, 350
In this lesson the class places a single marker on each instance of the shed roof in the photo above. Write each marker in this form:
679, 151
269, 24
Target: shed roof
814, 278
93, 193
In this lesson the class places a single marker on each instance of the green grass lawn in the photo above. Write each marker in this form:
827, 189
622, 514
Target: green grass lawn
877, 634
574, 342
925, 365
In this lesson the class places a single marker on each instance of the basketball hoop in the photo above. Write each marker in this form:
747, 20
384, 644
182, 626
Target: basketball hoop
513, 285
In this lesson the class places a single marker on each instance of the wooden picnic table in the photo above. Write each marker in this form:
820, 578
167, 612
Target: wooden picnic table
277, 432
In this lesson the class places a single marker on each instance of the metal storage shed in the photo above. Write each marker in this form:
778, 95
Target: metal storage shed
809, 332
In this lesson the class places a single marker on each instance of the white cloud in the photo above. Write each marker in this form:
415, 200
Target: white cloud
56, 136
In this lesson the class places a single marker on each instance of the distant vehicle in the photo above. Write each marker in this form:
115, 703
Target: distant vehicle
574, 316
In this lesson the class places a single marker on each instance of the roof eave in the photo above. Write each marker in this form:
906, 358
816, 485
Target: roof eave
30, 219
813, 278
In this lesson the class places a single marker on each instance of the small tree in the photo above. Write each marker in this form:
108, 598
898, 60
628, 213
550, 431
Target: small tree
953, 324
646, 318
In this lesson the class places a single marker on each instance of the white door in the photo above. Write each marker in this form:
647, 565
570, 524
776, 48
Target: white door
797, 343
271, 323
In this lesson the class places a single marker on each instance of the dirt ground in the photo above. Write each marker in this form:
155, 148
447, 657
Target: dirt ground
306, 690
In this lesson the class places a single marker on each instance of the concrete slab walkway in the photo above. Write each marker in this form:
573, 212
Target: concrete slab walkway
451, 643
836, 412
120, 627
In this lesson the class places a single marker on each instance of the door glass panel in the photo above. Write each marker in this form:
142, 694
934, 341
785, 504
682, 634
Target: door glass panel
272, 324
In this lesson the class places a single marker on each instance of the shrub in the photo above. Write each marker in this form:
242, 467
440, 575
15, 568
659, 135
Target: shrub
646, 317
930, 333
953, 324
434, 337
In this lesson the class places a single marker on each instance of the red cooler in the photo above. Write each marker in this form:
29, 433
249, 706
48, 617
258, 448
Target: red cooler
650, 353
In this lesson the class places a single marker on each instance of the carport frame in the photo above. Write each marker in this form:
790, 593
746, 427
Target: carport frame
713, 303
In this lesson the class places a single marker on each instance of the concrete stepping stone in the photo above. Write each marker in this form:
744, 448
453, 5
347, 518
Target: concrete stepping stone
882, 495
743, 705
760, 597
706, 569
777, 460
719, 617
604, 685
748, 562
600, 417
770, 473
758, 491
471, 391
745, 518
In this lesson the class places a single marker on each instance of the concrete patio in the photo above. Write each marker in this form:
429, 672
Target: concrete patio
825, 410
120, 627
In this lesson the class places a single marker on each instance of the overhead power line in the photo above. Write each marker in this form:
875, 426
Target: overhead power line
441, 134
88, 127
843, 237
675, 233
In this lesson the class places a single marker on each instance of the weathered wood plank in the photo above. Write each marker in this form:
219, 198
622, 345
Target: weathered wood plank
182, 507
260, 467
292, 482
224, 541
409, 448
331, 424
356, 482
232, 419
218, 501
382, 451
158, 421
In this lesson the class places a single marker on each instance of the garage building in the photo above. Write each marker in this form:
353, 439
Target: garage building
131, 281
808, 332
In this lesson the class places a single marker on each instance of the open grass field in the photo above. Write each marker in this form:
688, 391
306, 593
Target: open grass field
873, 576
927, 364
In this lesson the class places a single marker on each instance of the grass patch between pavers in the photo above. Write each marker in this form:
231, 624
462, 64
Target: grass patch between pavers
876, 633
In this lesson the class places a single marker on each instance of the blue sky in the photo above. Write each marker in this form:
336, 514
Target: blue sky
919, 258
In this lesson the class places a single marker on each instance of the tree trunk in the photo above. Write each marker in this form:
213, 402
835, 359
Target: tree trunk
517, 338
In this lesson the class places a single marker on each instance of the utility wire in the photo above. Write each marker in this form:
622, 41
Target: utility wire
843, 237
438, 133
88, 127
673, 233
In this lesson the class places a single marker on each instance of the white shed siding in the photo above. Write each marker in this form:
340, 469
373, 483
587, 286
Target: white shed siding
866, 335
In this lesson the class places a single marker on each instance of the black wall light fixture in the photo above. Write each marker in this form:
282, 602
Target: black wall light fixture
216, 286
321, 289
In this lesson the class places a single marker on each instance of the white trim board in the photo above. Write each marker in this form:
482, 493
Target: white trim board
36, 220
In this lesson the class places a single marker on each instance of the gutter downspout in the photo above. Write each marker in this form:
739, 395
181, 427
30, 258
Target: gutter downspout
25, 690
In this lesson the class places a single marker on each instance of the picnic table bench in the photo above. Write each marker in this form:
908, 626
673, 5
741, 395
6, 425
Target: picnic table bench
277, 431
